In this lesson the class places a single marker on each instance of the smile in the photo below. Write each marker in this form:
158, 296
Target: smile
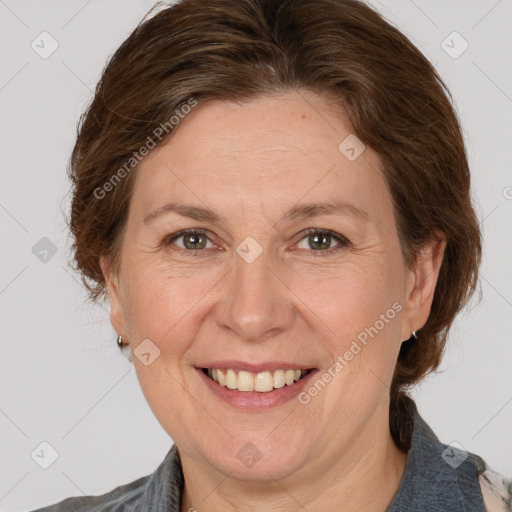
255, 386
262, 382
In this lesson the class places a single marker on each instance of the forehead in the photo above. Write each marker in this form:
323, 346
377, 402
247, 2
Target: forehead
267, 153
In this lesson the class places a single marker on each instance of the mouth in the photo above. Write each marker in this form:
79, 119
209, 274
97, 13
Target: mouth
265, 381
255, 386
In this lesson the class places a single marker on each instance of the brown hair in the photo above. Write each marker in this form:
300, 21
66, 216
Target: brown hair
238, 49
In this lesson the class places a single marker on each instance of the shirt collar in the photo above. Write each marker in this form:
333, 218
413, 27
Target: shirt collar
437, 476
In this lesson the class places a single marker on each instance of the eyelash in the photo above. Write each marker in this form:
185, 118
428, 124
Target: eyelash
342, 241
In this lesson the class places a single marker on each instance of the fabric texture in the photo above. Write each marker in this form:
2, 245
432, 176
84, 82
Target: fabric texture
496, 491
437, 478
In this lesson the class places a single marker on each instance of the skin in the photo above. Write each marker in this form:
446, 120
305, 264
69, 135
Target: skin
251, 163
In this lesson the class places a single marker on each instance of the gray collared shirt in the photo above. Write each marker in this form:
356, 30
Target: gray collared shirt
437, 478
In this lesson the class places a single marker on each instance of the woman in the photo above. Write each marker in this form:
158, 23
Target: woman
276, 198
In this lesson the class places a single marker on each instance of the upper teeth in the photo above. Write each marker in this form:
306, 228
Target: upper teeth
247, 381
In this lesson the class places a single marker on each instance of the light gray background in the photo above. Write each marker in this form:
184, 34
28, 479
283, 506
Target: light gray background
62, 379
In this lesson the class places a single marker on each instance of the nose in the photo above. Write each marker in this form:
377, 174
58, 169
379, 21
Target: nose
256, 303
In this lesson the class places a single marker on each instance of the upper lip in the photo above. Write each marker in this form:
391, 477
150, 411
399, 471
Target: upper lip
255, 367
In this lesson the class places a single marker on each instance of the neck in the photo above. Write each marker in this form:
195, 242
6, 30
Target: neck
362, 476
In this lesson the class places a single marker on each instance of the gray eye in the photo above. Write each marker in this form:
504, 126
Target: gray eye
317, 241
193, 241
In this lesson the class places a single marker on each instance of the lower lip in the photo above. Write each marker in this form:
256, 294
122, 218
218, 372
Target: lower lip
254, 400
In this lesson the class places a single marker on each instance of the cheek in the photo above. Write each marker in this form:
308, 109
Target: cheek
157, 301
343, 302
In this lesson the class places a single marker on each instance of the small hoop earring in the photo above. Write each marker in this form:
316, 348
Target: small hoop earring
125, 349
414, 334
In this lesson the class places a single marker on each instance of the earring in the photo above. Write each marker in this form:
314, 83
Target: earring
125, 349
414, 334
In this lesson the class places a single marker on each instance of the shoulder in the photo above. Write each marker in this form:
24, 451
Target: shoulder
159, 492
446, 477
112, 501
496, 491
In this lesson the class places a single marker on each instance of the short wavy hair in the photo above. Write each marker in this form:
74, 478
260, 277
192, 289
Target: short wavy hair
236, 50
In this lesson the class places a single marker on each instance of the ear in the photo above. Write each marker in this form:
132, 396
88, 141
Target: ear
421, 285
117, 315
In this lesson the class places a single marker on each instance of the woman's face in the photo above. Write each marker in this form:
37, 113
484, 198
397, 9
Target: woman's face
252, 289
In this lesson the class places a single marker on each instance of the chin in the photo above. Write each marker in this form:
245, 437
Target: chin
255, 462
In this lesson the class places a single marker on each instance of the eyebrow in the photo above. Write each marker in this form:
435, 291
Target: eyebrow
298, 212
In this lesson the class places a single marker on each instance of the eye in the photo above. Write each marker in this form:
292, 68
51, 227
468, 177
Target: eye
320, 241
192, 240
